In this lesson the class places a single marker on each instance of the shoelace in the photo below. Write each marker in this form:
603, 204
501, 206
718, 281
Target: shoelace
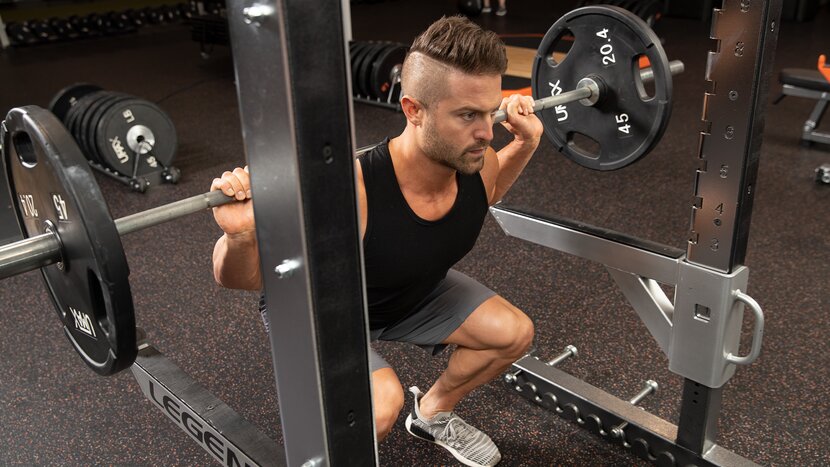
451, 432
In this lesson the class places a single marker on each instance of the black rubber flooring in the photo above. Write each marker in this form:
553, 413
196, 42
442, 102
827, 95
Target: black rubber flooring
54, 411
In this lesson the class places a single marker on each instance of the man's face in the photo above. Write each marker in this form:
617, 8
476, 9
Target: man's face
459, 127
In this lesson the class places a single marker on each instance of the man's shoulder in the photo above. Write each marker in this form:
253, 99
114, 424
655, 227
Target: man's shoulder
376, 150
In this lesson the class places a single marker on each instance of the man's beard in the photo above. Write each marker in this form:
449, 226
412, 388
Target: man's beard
444, 153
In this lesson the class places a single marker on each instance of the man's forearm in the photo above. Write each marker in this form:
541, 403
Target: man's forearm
236, 262
512, 160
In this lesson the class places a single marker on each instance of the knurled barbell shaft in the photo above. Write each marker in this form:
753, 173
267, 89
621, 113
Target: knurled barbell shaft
45, 249
584, 91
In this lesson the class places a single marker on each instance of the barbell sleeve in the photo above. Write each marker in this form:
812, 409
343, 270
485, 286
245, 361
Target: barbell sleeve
586, 89
29, 254
45, 249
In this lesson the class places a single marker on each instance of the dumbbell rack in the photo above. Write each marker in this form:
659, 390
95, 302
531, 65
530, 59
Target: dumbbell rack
209, 25
18, 29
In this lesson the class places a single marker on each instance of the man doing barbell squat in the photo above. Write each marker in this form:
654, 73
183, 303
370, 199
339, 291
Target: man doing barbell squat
423, 197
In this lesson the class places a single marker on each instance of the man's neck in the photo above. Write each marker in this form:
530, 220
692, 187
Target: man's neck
415, 171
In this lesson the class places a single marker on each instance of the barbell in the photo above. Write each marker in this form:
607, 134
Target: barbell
45, 249
71, 237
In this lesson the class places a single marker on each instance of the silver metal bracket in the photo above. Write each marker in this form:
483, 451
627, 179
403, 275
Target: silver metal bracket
700, 332
708, 314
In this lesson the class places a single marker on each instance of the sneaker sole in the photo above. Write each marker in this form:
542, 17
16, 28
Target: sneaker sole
452, 451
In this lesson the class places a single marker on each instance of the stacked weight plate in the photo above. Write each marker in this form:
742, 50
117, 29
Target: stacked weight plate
124, 135
376, 68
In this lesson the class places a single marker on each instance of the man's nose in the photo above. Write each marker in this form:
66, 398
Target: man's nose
484, 129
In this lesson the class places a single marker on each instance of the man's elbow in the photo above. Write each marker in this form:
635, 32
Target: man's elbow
236, 281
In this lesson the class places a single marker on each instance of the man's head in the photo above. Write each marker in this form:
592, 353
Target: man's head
451, 83
453, 44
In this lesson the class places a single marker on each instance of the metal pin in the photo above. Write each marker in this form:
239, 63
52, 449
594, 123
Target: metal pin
254, 14
286, 268
315, 462
569, 351
617, 431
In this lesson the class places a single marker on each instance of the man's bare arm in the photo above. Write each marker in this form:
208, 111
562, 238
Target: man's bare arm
236, 254
513, 158
236, 262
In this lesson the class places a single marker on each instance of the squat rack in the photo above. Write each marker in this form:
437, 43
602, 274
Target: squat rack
301, 160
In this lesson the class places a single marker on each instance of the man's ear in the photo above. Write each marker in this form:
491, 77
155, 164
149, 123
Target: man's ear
412, 109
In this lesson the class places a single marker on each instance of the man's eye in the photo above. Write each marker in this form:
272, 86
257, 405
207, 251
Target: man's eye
469, 116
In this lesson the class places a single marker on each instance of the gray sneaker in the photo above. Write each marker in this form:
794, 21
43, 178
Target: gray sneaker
446, 429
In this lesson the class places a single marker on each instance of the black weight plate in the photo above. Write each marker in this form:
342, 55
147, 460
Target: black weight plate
99, 113
363, 71
382, 79
84, 122
369, 66
357, 72
607, 43
51, 183
66, 98
80, 111
88, 122
70, 117
101, 151
118, 127
89, 102
95, 115
356, 57
358, 84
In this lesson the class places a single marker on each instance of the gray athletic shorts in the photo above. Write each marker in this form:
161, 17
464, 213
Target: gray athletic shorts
432, 321
435, 318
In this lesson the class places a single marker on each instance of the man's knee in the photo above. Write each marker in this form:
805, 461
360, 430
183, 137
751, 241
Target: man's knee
514, 328
388, 400
523, 332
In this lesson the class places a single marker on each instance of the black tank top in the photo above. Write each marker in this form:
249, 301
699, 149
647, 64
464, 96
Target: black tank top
406, 256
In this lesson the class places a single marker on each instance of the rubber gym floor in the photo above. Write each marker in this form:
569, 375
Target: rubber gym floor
55, 411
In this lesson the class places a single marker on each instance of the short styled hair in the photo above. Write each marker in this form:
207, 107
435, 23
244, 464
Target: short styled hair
451, 43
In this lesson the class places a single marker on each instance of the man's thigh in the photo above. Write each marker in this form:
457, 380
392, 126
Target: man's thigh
440, 314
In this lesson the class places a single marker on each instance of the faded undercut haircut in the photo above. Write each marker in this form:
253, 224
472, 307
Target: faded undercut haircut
450, 44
